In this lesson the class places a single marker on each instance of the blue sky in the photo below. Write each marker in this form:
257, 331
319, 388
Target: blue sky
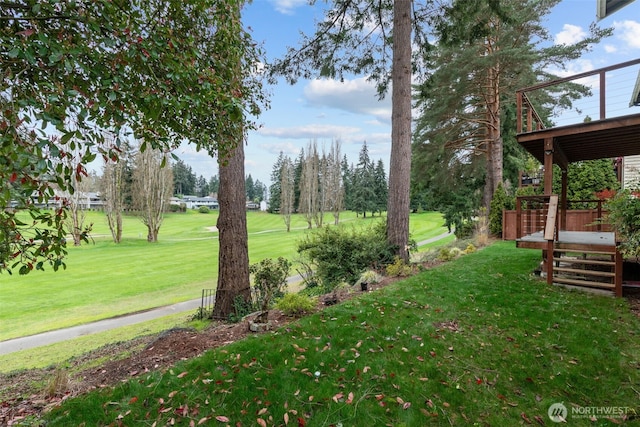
324, 110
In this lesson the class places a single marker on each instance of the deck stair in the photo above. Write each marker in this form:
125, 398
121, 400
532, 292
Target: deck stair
593, 268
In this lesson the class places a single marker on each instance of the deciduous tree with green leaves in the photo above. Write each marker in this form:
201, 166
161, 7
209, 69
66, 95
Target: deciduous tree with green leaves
157, 71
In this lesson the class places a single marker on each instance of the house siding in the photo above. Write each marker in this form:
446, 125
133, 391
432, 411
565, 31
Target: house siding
631, 172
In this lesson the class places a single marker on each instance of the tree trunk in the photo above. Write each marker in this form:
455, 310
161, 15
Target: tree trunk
494, 137
400, 164
233, 258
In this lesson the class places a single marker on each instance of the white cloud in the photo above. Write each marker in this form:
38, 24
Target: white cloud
312, 131
629, 32
287, 7
356, 96
570, 34
288, 148
609, 48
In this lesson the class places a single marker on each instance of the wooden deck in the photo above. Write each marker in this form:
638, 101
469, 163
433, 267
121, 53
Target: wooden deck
574, 238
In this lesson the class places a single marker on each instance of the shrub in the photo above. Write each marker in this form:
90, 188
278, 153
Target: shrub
241, 308
269, 278
339, 254
178, 208
500, 201
295, 304
465, 230
399, 268
369, 276
447, 254
623, 213
469, 249
203, 209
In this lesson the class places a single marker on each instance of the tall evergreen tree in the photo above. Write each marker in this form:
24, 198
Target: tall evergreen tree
381, 187
297, 177
275, 190
249, 189
373, 37
214, 184
202, 187
364, 196
486, 51
347, 171
184, 179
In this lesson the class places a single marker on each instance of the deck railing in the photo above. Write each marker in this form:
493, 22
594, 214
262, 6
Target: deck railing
532, 211
599, 81
531, 214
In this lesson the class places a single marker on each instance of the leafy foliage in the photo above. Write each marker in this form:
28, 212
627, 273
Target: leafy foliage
296, 304
587, 178
269, 278
74, 72
341, 253
499, 202
399, 268
623, 213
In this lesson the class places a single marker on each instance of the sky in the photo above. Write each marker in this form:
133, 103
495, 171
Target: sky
324, 110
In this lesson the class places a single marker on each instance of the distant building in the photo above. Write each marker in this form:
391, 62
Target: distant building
194, 202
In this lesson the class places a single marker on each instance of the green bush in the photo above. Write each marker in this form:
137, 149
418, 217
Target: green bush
178, 208
203, 209
295, 304
399, 268
269, 278
340, 254
447, 254
465, 230
623, 213
500, 201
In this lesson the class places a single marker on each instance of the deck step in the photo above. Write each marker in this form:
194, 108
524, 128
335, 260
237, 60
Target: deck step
608, 251
587, 283
585, 261
584, 272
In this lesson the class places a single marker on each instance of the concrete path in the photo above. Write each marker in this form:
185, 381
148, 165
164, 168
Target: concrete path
51, 337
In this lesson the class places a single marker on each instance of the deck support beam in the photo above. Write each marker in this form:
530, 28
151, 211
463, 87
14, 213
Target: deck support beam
618, 277
548, 166
564, 204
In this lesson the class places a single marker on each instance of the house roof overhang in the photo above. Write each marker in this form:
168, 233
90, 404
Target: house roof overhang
601, 139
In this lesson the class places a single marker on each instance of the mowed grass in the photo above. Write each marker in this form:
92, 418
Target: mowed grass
477, 341
103, 279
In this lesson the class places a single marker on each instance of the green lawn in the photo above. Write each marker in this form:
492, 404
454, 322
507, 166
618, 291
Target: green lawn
477, 341
103, 279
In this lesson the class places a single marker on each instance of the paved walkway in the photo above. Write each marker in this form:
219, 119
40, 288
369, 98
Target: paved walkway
59, 335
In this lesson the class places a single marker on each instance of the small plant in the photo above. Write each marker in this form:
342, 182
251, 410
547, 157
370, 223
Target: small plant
295, 304
469, 249
269, 278
241, 309
447, 254
203, 210
370, 276
59, 384
399, 268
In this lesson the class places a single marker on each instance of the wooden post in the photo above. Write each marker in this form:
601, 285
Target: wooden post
548, 166
519, 112
564, 205
549, 262
518, 218
618, 276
